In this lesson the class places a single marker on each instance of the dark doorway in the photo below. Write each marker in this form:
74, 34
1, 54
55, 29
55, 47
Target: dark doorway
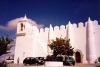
78, 57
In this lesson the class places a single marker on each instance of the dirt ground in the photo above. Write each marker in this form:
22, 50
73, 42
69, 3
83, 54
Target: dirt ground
77, 65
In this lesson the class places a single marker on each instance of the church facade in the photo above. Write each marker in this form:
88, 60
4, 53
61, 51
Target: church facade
32, 42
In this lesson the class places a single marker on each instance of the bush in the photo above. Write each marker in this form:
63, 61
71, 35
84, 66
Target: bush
61, 46
50, 58
54, 58
3, 64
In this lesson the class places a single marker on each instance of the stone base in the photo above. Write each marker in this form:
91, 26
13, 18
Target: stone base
53, 63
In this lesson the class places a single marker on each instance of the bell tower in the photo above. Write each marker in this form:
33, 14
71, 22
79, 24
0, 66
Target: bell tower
22, 26
24, 44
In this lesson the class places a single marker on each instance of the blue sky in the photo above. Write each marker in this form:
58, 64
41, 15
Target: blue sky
46, 12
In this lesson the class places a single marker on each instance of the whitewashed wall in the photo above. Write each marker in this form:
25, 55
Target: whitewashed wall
34, 43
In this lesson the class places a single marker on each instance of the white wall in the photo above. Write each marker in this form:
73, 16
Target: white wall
97, 37
79, 34
35, 42
23, 48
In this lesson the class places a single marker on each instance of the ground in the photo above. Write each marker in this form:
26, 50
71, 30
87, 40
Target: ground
77, 65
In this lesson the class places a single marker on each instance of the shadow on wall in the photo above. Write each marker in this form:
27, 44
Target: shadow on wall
87, 46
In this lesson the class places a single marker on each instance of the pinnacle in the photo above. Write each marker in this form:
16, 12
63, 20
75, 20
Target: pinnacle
69, 22
50, 25
25, 17
89, 19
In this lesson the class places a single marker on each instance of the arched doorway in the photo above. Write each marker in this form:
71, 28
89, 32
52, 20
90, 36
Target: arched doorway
78, 57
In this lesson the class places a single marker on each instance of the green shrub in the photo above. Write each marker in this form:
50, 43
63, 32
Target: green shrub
50, 58
54, 58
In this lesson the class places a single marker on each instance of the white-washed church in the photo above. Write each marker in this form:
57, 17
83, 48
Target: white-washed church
32, 42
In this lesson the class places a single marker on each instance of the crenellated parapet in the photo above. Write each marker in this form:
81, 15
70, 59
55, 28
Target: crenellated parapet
56, 28
74, 25
46, 29
80, 25
41, 30
62, 27
95, 22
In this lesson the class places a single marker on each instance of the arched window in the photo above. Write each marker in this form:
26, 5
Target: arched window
22, 26
78, 57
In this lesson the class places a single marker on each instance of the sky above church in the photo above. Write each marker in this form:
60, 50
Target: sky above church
46, 12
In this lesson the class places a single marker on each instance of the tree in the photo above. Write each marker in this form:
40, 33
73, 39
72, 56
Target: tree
4, 47
61, 46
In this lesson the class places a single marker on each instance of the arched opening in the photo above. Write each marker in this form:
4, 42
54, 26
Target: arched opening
78, 57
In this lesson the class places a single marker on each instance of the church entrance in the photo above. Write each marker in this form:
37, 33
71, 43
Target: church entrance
78, 57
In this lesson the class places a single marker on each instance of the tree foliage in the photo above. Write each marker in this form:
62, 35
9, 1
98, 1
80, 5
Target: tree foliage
4, 47
61, 46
